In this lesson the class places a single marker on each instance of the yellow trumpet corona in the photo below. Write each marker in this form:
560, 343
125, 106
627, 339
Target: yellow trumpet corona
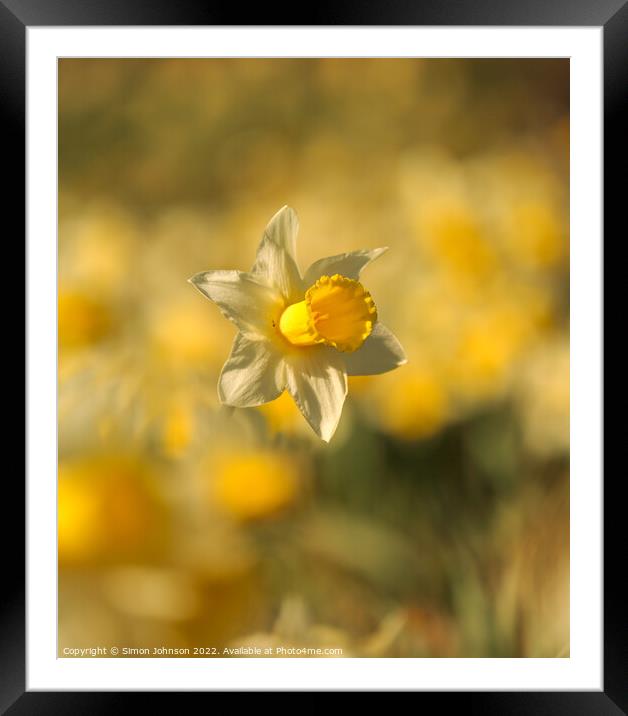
336, 311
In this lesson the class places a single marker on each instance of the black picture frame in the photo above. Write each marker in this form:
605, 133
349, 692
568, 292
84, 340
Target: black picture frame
17, 15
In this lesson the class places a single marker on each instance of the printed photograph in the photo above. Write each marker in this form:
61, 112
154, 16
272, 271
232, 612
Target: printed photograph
313, 358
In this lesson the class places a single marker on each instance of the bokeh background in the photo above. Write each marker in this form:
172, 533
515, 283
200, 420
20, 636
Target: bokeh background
436, 523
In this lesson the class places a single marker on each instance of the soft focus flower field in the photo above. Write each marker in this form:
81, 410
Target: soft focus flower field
436, 521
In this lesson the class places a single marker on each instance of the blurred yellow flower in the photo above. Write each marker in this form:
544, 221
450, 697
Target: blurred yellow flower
282, 415
450, 232
82, 320
156, 378
255, 484
413, 405
99, 244
78, 518
489, 345
537, 234
106, 508
186, 335
178, 429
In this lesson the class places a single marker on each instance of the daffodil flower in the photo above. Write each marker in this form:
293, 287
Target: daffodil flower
305, 333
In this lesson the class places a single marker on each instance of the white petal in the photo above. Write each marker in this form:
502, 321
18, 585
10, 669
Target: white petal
251, 305
318, 383
276, 255
349, 265
380, 352
252, 375
282, 230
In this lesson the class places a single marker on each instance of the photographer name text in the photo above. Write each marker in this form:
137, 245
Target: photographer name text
100, 651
